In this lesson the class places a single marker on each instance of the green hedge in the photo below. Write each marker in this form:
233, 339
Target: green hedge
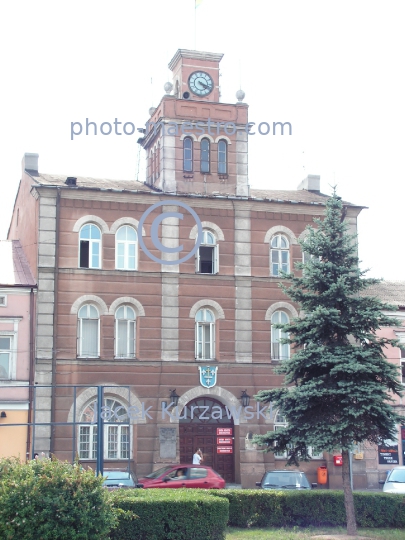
166, 514
260, 508
51, 500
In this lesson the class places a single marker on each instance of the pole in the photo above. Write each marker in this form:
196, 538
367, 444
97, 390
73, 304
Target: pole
351, 469
100, 428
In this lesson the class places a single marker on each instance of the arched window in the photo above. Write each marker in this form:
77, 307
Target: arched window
279, 351
88, 332
205, 335
205, 156
90, 246
116, 431
125, 332
126, 243
207, 254
151, 166
279, 255
222, 157
158, 161
280, 422
188, 154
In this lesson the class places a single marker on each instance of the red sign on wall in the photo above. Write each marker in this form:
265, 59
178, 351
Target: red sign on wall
224, 431
224, 450
224, 440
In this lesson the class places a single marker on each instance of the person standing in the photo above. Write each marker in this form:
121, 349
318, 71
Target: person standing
197, 457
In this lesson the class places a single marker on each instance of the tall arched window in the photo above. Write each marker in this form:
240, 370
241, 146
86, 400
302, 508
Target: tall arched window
222, 157
116, 431
126, 244
125, 332
207, 254
205, 335
280, 422
188, 154
205, 156
89, 246
88, 332
279, 255
279, 351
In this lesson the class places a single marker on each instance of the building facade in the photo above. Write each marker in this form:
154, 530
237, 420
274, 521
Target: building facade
17, 309
200, 331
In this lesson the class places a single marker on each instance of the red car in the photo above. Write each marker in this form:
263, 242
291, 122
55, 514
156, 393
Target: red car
183, 476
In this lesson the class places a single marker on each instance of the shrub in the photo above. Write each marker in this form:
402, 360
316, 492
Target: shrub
166, 514
260, 508
51, 500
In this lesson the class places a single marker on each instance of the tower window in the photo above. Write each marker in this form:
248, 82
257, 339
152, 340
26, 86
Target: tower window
188, 154
205, 156
222, 157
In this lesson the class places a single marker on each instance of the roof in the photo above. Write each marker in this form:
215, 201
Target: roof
290, 196
390, 292
14, 268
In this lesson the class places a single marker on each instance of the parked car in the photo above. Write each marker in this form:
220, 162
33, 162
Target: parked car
395, 481
285, 480
119, 479
183, 476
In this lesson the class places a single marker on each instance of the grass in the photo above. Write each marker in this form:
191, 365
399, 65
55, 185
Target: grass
297, 533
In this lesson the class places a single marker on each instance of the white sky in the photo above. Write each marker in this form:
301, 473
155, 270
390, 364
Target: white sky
333, 69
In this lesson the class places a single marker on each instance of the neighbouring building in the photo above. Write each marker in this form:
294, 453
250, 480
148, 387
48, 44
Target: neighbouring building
201, 329
17, 309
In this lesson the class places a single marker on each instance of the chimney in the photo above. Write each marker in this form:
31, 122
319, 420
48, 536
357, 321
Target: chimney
30, 163
311, 183
70, 181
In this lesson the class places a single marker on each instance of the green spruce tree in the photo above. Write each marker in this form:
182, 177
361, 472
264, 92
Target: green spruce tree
338, 381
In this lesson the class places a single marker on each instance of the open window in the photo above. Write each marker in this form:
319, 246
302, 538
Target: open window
207, 255
90, 246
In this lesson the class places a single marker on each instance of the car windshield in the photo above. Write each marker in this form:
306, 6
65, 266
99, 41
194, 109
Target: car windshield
115, 478
157, 473
291, 480
397, 475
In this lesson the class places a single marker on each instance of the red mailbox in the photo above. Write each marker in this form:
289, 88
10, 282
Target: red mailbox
338, 460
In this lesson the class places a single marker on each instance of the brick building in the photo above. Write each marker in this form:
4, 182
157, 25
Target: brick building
107, 314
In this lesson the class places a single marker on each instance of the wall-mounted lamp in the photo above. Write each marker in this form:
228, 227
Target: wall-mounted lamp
174, 398
245, 398
3, 414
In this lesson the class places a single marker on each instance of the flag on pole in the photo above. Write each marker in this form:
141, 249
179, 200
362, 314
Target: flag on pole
198, 3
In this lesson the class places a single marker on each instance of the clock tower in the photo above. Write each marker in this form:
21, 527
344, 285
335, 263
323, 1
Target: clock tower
194, 143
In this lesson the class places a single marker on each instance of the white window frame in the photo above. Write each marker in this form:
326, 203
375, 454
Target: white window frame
215, 249
80, 333
11, 356
91, 243
279, 251
126, 243
3, 300
129, 322
108, 429
277, 333
13, 334
226, 156
203, 324
283, 455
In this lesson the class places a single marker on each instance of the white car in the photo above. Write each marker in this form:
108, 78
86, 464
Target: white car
395, 482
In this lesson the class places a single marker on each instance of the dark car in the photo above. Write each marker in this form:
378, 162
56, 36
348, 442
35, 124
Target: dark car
285, 480
119, 479
183, 476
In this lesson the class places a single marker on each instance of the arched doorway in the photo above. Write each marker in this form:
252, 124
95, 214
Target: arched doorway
205, 423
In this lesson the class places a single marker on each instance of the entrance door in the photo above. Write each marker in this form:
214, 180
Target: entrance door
202, 427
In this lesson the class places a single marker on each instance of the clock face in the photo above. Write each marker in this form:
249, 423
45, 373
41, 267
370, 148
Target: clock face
200, 83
